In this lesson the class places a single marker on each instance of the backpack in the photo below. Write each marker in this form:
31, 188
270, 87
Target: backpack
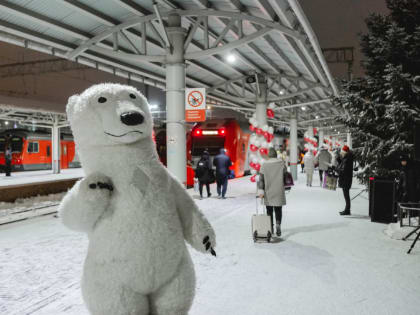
199, 171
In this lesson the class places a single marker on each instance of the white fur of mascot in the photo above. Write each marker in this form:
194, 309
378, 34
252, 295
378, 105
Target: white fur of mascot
135, 213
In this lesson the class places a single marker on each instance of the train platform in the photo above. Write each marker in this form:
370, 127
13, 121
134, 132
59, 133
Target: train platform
33, 177
24, 185
323, 263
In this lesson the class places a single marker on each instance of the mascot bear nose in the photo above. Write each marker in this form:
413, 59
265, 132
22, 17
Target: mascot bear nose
132, 118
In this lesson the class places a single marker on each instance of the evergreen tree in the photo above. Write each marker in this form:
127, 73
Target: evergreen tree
384, 106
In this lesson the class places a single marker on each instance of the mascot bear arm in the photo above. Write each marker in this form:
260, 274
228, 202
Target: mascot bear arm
84, 204
195, 226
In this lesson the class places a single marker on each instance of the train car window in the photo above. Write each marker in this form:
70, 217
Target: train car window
16, 144
2, 144
33, 147
243, 147
48, 151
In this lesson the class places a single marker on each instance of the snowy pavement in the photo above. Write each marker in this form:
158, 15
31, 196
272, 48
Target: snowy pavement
28, 177
323, 264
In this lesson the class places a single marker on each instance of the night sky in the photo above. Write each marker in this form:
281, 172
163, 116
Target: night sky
337, 23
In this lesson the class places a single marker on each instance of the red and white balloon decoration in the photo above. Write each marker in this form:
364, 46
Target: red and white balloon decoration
311, 143
260, 142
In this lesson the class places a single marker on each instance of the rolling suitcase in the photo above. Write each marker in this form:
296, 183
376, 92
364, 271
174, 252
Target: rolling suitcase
261, 225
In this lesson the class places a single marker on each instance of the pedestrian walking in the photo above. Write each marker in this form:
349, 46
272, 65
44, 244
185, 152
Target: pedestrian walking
309, 161
345, 176
204, 173
222, 163
323, 160
271, 188
409, 181
8, 161
302, 162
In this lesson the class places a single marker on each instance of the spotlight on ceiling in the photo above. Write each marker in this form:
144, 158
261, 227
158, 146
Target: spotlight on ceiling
316, 116
231, 58
281, 92
153, 106
250, 79
303, 108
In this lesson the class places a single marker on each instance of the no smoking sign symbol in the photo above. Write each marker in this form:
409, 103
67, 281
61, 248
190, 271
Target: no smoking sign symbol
195, 98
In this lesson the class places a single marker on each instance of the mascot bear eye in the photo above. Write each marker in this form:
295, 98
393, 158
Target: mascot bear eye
102, 99
132, 96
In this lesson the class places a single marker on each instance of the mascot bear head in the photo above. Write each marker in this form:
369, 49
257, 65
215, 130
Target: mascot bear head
108, 115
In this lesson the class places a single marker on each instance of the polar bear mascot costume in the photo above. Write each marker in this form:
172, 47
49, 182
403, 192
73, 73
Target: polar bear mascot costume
137, 215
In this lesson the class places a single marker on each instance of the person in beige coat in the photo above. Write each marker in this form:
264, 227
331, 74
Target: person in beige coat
309, 166
271, 187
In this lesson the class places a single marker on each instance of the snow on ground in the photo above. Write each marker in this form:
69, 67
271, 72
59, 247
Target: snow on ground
323, 264
27, 177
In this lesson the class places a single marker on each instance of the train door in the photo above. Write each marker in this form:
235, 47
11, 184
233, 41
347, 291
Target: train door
64, 156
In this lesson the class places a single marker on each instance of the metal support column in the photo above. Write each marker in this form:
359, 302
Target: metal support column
349, 141
293, 141
320, 138
55, 141
261, 104
175, 100
310, 131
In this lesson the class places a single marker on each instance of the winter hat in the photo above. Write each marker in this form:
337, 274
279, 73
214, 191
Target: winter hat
345, 149
404, 157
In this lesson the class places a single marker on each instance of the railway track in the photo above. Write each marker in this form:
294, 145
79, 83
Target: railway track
19, 213
27, 213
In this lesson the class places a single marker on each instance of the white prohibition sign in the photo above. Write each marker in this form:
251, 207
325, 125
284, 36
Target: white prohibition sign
195, 98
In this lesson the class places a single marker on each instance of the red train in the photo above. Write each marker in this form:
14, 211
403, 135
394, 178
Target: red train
214, 134
33, 150
211, 135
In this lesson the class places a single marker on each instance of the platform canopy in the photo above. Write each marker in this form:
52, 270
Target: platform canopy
229, 46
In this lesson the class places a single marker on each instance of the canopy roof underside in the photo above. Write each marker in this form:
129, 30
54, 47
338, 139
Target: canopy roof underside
127, 38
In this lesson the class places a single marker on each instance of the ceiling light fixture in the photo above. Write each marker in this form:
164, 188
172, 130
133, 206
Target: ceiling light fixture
231, 58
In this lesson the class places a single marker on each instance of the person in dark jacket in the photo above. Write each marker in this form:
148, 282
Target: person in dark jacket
222, 163
8, 161
345, 176
204, 173
408, 187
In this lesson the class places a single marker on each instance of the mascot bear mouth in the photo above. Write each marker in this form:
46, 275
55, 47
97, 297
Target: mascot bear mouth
119, 136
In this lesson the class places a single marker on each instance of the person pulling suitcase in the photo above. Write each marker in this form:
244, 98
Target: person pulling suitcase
271, 188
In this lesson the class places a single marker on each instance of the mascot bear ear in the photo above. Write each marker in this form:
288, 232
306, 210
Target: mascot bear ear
71, 104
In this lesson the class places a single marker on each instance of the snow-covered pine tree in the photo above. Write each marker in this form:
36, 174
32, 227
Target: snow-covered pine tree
384, 105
